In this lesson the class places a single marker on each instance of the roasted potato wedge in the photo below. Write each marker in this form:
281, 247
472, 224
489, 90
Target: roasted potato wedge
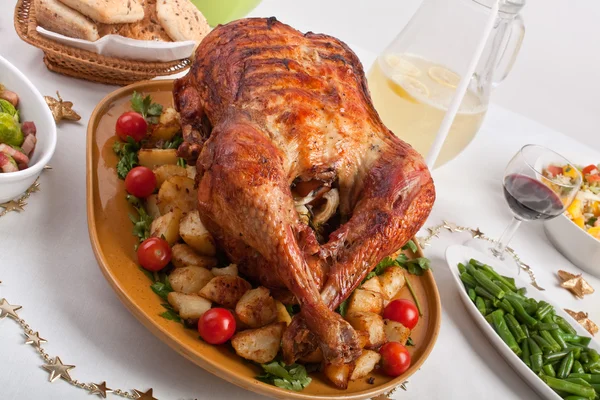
365, 300
282, 313
395, 331
364, 364
339, 375
392, 280
189, 280
151, 205
194, 233
168, 125
188, 305
177, 192
231, 269
167, 226
256, 308
184, 256
373, 284
260, 345
164, 172
152, 158
226, 290
370, 323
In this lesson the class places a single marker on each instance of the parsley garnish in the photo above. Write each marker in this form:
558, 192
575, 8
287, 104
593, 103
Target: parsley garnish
181, 162
143, 221
144, 105
410, 342
162, 286
174, 143
290, 377
292, 309
410, 245
127, 153
343, 307
170, 314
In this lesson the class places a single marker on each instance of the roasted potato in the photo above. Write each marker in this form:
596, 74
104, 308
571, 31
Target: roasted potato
339, 375
282, 313
226, 290
151, 204
152, 158
395, 331
231, 269
184, 256
188, 305
189, 280
168, 125
260, 345
167, 226
313, 358
164, 172
177, 192
364, 364
256, 308
392, 280
365, 300
194, 233
373, 284
191, 171
370, 323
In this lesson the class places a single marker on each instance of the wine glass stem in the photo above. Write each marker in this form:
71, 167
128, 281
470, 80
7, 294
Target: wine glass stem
508, 234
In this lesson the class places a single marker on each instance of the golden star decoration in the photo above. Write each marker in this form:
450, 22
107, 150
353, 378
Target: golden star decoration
58, 370
61, 109
100, 389
34, 339
582, 318
477, 233
575, 283
452, 227
7, 309
144, 396
13, 205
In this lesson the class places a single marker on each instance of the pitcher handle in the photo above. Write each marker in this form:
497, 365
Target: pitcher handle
510, 51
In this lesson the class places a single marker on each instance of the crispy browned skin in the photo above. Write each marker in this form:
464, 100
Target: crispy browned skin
265, 104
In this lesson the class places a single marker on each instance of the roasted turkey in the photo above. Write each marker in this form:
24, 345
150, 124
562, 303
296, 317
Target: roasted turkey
265, 106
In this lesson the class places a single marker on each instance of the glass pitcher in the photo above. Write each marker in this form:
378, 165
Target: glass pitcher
413, 81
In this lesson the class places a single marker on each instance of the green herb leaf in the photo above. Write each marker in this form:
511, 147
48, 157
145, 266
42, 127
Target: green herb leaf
171, 315
291, 377
149, 274
343, 307
292, 309
174, 143
181, 162
410, 342
142, 222
162, 287
127, 153
144, 105
380, 268
410, 245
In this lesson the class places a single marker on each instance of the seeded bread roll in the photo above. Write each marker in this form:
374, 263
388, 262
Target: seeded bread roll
56, 17
148, 28
108, 11
182, 20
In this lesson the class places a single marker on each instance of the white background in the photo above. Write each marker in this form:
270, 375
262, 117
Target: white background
47, 266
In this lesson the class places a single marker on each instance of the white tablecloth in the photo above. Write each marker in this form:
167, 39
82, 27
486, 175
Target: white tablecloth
47, 266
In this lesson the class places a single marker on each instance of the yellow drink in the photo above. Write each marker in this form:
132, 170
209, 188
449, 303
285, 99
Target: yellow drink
412, 94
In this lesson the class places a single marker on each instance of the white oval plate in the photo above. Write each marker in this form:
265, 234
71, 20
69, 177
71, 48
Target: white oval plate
462, 254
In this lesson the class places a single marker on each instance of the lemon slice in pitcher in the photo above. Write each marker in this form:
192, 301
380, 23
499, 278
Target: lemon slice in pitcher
409, 88
401, 65
444, 76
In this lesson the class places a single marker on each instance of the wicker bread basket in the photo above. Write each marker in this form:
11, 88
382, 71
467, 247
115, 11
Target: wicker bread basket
84, 64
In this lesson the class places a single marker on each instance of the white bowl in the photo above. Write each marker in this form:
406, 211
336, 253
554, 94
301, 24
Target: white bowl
581, 248
32, 107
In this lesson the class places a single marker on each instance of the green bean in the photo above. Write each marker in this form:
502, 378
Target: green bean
504, 332
502, 285
472, 294
489, 320
591, 378
551, 358
505, 305
484, 293
594, 356
522, 291
542, 343
558, 338
543, 326
575, 339
525, 353
569, 387
564, 325
578, 381
509, 279
565, 366
543, 310
548, 338
486, 283
536, 355
595, 386
585, 340
520, 312
577, 368
549, 370
584, 359
514, 327
480, 305
468, 279
576, 398
525, 329
510, 283
461, 268
576, 351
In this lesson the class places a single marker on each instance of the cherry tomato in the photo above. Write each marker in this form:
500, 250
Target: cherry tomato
140, 182
216, 326
403, 311
154, 254
131, 124
554, 170
395, 359
593, 178
590, 169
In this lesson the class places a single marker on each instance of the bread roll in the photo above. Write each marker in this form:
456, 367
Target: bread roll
108, 11
56, 17
182, 20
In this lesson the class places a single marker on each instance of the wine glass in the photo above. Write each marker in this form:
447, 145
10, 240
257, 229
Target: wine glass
539, 184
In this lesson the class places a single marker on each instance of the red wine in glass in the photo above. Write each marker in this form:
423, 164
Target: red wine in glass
531, 199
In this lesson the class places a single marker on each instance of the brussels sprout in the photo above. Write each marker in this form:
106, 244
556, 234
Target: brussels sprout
6, 107
10, 131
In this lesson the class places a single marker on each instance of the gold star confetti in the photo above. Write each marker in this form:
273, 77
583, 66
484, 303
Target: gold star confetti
575, 283
452, 227
47, 167
61, 109
144, 396
8, 309
58, 370
35, 187
100, 389
433, 232
582, 318
34, 339
477, 233
13, 205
